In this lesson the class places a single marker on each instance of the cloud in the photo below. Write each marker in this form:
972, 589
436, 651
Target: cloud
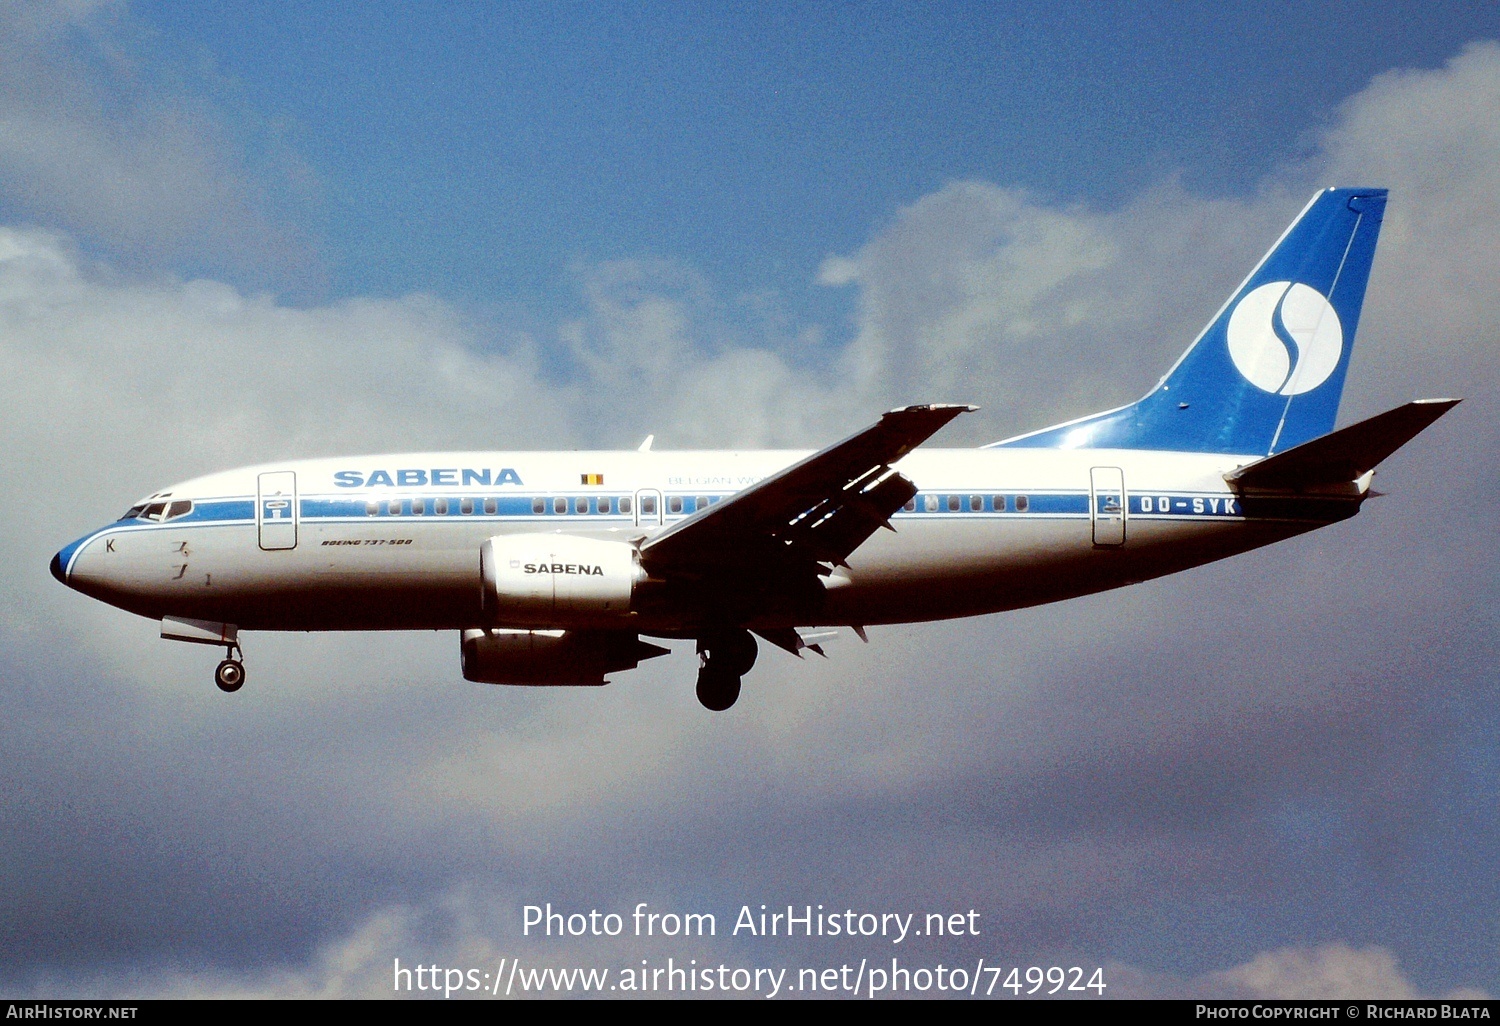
1127, 772
651, 338
469, 952
1038, 313
1426, 133
463, 940
1327, 972
1333, 971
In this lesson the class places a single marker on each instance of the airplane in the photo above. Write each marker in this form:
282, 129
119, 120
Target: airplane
555, 566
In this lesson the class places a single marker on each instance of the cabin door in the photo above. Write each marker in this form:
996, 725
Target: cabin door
276, 510
1107, 505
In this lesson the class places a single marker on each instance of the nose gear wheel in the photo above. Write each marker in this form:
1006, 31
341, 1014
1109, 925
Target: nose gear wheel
230, 676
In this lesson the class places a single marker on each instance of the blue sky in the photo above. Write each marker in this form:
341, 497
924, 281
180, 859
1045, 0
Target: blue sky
480, 150
238, 234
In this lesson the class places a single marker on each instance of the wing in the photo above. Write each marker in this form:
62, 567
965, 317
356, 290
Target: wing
800, 522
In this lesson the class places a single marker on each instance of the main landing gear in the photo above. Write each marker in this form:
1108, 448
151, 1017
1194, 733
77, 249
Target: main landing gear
725, 658
230, 676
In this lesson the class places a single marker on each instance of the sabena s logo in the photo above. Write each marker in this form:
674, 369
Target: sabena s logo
1285, 338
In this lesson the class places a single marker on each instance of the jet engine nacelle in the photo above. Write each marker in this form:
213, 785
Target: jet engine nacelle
551, 658
548, 580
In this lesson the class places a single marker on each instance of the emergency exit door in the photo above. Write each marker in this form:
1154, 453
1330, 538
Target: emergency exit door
1107, 505
648, 507
276, 510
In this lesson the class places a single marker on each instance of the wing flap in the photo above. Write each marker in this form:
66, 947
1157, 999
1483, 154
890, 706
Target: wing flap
798, 641
818, 510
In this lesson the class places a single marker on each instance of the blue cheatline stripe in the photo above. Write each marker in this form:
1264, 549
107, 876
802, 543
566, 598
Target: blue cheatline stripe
506, 506
224, 509
344, 509
512, 509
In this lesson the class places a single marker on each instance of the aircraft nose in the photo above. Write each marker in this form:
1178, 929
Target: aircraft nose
57, 570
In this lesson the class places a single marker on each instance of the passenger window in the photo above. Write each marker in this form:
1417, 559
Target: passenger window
953, 503
648, 505
976, 504
701, 502
929, 503
999, 502
418, 507
440, 507
537, 505
1022, 504
911, 506
580, 505
372, 509
674, 504
490, 506
604, 504
466, 506
559, 505
395, 507
624, 504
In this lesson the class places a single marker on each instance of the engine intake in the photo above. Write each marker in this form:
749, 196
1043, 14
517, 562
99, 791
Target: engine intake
551, 658
548, 580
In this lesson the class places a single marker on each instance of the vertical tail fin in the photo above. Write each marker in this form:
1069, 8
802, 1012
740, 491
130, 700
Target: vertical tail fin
1268, 371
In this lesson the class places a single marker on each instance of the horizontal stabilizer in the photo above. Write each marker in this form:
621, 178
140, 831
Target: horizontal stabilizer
1343, 456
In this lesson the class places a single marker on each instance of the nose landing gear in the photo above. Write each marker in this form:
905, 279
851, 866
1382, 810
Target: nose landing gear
725, 658
230, 676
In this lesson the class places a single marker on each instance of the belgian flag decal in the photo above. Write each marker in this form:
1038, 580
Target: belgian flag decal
593, 479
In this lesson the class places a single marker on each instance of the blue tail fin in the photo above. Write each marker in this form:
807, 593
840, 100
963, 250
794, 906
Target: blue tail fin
1268, 371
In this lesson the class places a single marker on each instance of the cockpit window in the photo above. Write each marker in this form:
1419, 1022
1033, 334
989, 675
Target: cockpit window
159, 511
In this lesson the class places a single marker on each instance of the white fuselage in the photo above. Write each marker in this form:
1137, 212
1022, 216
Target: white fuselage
393, 542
